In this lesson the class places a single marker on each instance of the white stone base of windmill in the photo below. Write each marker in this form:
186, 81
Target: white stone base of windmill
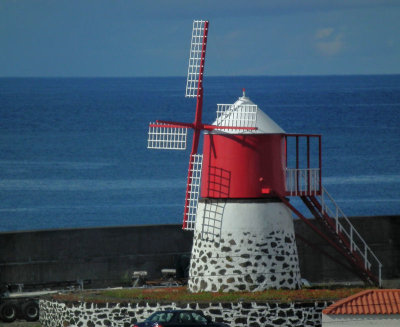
243, 245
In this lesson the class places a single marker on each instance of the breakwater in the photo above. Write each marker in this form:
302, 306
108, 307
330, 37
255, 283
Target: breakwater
108, 255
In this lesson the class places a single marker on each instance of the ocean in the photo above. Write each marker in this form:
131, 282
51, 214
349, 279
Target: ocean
73, 151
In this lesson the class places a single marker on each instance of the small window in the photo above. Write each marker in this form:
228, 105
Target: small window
199, 318
185, 317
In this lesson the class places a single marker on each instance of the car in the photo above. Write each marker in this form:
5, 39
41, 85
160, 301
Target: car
179, 318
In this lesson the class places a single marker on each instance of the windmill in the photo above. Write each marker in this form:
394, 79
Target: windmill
244, 237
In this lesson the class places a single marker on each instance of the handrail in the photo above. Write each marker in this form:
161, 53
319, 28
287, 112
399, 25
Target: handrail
351, 233
302, 181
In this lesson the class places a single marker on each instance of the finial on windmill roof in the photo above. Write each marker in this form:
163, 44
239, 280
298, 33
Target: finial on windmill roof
243, 97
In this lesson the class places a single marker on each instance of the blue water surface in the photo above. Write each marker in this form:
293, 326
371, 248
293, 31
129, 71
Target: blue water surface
73, 151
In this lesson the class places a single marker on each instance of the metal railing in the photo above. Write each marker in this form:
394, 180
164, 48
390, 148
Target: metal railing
303, 181
357, 243
303, 164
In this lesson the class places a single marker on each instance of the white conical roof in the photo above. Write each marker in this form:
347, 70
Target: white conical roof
264, 124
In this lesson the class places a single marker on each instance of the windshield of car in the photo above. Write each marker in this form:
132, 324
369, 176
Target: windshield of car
160, 317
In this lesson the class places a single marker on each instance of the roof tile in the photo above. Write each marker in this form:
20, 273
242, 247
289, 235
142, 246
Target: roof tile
368, 302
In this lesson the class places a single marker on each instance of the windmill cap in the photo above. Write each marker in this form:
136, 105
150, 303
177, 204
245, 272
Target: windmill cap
264, 124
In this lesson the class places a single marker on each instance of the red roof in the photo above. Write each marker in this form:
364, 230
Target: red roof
369, 302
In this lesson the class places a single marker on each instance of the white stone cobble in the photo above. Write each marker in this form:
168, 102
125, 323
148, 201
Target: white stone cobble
241, 314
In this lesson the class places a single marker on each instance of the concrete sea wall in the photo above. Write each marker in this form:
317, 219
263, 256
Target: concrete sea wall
107, 256
242, 314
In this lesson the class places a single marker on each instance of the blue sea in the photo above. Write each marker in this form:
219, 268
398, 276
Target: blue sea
73, 150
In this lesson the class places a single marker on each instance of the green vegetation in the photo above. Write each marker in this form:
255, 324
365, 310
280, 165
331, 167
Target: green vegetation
180, 294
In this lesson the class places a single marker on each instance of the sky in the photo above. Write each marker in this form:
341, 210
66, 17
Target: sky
129, 38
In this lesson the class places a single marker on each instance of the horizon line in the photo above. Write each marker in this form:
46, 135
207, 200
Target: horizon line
210, 76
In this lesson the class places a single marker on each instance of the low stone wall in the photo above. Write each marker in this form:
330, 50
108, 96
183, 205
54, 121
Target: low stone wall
242, 314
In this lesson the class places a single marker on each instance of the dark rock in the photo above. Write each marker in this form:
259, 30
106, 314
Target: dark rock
223, 287
248, 279
246, 305
245, 264
253, 287
215, 312
294, 321
281, 313
279, 322
203, 284
226, 305
241, 320
241, 287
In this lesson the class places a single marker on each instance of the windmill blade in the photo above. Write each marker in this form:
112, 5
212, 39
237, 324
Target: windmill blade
196, 58
163, 136
192, 191
244, 115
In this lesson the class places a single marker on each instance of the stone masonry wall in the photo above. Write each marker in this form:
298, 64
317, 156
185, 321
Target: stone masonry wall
249, 314
246, 262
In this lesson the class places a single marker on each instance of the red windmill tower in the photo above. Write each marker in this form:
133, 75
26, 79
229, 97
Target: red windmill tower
244, 235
